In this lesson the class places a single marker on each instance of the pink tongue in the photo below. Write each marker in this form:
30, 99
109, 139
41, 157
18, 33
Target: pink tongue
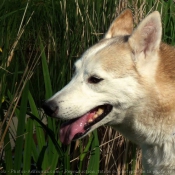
68, 132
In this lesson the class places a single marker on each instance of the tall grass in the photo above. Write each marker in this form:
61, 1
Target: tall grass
39, 42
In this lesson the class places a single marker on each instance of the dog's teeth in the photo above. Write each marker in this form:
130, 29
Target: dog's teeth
100, 111
95, 116
90, 120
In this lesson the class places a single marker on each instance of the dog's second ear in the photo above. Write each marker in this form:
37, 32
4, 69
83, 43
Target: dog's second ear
147, 36
122, 25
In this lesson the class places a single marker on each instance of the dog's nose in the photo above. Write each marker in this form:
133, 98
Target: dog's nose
50, 108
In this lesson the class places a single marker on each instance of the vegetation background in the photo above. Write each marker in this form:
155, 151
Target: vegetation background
39, 42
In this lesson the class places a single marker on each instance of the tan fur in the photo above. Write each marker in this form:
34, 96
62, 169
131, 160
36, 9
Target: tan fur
119, 67
165, 78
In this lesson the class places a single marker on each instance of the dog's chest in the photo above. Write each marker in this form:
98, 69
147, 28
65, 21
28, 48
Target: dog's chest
159, 159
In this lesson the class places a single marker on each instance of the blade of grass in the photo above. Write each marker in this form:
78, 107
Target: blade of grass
7, 151
39, 134
28, 147
134, 158
66, 159
21, 130
8, 155
94, 161
84, 151
47, 81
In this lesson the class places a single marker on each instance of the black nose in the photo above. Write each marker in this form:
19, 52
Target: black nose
50, 108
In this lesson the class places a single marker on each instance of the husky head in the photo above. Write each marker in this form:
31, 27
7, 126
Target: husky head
108, 78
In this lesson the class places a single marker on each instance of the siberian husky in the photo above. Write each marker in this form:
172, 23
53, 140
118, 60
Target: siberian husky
127, 81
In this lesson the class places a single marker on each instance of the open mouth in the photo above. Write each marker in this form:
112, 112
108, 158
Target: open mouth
76, 128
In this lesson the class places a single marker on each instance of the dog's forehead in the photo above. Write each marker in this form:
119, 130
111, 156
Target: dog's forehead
102, 45
109, 54
103, 48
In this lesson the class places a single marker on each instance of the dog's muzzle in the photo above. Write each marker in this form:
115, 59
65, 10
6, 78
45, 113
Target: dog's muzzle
77, 127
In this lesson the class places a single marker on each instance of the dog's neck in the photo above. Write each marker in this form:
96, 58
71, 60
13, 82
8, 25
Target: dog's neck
150, 127
158, 148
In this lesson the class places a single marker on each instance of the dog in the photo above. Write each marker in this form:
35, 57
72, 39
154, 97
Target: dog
127, 81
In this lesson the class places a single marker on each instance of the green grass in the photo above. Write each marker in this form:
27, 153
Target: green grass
40, 41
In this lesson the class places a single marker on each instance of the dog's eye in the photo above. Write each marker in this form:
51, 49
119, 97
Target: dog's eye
94, 79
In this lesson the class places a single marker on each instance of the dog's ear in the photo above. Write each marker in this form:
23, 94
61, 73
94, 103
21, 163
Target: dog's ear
147, 36
122, 25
